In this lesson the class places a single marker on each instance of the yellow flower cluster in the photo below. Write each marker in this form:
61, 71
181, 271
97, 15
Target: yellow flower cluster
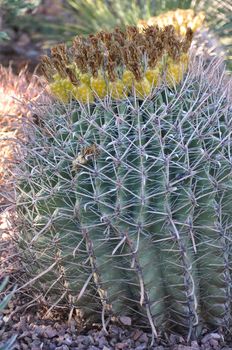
61, 88
99, 87
181, 20
139, 64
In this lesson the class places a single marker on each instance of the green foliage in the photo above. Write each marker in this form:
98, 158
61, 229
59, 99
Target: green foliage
125, 206
4, 36
94, 16
16, 7
21, 15
11, 9
9, 345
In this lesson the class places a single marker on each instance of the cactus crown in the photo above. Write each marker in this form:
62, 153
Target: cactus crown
114, 63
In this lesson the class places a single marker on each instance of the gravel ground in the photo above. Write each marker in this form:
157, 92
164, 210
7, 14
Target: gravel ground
35, 333
38, 329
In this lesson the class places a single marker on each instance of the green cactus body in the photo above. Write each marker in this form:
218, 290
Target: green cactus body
125, 206
214, 248
92, 181
55, 235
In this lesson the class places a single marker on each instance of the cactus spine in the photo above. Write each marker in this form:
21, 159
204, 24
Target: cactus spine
124, 203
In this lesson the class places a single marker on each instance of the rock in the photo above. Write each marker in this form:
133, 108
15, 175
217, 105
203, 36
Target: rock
136, 334
114, 330
214, 343
141, 347
120, 346
27, 339
143, 338
36, 344
83, 339
112, 342
173, 339
209, 336
50, 332
34, 336
52, 346
38, 330
60, 340
80, 347
125, 320
102, 342
6, 318
24, 346
68, 341
194, 345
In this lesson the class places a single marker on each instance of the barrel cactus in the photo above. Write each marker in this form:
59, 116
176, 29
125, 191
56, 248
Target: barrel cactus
123, 198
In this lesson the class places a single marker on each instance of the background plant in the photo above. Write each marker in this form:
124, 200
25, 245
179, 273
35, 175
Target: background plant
23, 16
9, 9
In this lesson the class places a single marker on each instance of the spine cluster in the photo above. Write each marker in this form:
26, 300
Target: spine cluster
117, 64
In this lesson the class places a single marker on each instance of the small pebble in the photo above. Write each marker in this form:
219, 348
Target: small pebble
63, 347
24, 346
194, 345
68, 341
141, 347
126, 321
209, 336
214, 343
143, 338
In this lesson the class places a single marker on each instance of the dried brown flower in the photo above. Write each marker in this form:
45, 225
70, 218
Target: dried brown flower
113, 52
